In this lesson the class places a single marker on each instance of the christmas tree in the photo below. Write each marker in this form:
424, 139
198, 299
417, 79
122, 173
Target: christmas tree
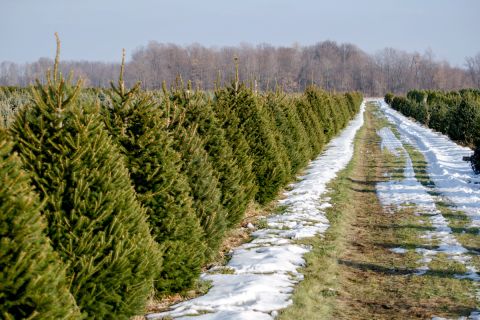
199, 113
94, 221
135, 123
33, 284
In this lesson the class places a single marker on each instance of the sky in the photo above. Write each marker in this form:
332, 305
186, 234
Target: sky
99, 29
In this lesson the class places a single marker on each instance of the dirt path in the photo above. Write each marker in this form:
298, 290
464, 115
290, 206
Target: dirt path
376, 262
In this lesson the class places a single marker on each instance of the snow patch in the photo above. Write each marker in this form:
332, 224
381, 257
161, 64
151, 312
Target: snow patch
389, 141
399, 250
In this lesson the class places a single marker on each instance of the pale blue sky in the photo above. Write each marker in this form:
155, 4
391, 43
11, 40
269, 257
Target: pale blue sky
99, 29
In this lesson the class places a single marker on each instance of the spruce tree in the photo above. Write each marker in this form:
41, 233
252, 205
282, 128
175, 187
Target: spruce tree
224, 104
201, 176
33, 284
321, 106
290, 131
204, 185
199, 113
275, 123
465, 120
134, 122
312, 125
270, 172
94, 220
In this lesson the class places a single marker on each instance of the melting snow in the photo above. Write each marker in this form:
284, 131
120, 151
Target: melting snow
399, 250
452, 177
389, 141
265, 270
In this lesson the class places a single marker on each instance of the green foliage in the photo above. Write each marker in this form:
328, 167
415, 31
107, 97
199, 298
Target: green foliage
134, 122
94, 220
312, 125
224, 105
271, 174
321, 107
201, 175
33, 284
195, 161
198, 113
418, 96
205, 187
290, 131
389, 97
465, 121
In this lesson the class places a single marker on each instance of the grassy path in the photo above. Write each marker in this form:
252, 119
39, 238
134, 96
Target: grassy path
352, 272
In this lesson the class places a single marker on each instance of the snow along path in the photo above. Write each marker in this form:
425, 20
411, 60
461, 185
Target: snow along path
265, 270
454, 179
397, 193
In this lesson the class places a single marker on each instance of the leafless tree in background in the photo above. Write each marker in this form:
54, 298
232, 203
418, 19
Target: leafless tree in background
473, 65
332, 66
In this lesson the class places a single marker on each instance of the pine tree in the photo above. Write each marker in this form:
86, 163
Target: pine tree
199, 113
290, 131
224, 104
94, 220
270, 172
134, 122
275, 122
312, 125
33, 284
201, 176
204, 185
465, 120
321, 106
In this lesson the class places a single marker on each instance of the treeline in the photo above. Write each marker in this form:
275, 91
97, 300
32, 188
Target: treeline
328, 65
454, 113
110, 195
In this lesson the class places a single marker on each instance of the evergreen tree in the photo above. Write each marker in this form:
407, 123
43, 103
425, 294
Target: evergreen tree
94, 220
270, 172
389, 97
275, 121
465, 120
202, 177
204, 185
135, 124
321, 106
199, 113
312, 125
290, 132
33, 284
224, 104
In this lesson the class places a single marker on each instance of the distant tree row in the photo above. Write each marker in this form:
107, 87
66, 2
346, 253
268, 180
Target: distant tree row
328, 65
108, 196
454, 113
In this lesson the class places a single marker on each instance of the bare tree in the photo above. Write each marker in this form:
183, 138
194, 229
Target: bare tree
340, 67
473, 65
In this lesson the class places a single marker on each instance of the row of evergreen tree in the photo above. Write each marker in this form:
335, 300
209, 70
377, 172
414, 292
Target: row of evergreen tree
455, 113
110, 196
